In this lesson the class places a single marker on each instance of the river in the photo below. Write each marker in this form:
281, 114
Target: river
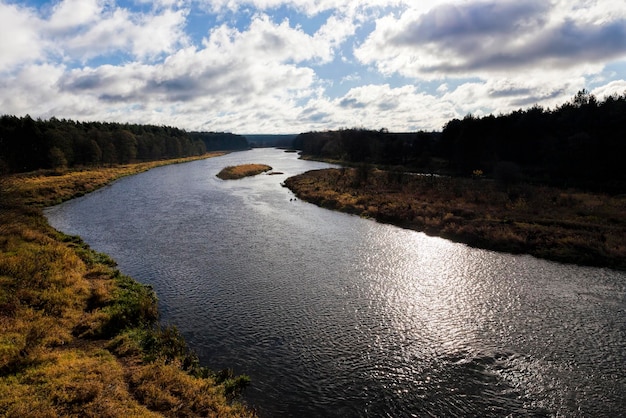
334, 315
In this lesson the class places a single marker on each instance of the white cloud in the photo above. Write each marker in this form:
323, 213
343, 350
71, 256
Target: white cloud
33, 90
119, 30
268, 41
375, 107
69, 14
260, 72
78, 30
20, 41
617, 87
234, 74
158, 34
309, 7
335, 31
489, 37
506, 54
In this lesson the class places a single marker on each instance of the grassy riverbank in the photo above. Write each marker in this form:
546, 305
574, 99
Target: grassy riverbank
78, 338
243, 170
562, 225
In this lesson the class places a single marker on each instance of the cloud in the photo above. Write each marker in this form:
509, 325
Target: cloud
379, 106
281, 66
506, 95
267, 41
451, 24
493, 38
616, 87
234, 73
20, 41
74, 13
308, 7
143, 36
77, 31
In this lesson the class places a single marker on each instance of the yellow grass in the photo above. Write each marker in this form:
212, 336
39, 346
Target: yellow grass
241, 171
50, 187
570, 226
60, 302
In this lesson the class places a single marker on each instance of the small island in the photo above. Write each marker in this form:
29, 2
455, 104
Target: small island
243, 170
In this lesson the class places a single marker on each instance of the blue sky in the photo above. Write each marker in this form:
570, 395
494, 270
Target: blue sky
274, 66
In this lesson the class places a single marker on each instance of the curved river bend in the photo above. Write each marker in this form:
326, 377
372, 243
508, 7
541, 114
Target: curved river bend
334, 315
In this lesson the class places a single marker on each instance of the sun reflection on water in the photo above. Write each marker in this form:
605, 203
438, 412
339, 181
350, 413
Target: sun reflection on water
333, 315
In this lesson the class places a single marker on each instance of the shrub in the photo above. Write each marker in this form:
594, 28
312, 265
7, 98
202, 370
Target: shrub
134, 304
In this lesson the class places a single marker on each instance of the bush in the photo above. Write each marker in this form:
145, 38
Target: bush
134, 305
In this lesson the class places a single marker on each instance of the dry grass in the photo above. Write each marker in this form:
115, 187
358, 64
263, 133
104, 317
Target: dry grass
562, 225
241, 171
46, 188
60, 302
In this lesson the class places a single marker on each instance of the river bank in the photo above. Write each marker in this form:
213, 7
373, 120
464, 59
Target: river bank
561, 225
77, 337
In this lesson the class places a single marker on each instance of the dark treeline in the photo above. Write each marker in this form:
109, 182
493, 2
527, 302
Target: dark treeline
221, 141
27, 144
270, 140
410, 150
581, 143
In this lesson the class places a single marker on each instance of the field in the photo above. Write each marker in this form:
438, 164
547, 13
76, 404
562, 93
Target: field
77, 337
563, 225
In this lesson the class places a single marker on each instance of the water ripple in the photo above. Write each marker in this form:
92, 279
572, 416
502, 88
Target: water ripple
333, 315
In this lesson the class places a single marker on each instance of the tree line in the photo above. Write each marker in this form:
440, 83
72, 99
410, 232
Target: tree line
27, 144
581, 143
410, 150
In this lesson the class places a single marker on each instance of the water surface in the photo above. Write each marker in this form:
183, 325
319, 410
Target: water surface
334, 315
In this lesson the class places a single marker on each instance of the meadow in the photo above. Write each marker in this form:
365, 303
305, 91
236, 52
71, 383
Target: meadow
570, 225
79, 338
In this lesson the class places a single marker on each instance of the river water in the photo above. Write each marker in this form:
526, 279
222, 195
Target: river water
334, 315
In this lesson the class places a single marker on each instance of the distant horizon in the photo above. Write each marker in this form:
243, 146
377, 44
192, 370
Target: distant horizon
268, 66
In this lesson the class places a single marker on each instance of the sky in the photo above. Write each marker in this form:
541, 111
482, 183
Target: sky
278, 67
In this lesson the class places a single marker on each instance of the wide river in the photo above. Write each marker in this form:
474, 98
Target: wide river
334, 315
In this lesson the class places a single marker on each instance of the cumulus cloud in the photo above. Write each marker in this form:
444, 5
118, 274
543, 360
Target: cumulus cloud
493, 37
378, 106
505, 95
119, 30
79, 30
617, 87
267, 41
234, 72
277, 66
20, 41
74, 13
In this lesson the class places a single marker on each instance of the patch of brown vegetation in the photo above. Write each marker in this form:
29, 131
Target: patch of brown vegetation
562, 225
49, 187
243, 170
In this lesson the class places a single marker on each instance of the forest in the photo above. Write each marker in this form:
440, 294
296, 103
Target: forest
581, 143
27, 144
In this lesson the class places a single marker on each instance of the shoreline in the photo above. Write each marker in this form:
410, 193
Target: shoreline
566, 226
77, 337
